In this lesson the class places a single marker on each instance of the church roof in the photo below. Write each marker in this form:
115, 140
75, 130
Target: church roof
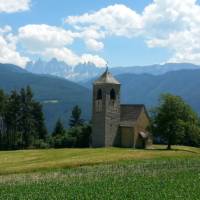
130, 113
106, 78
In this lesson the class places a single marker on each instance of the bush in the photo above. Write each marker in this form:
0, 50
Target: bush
82, 135
41, 144
78, 136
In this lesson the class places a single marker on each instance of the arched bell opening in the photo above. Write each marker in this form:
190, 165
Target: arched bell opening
99, 94
112, 94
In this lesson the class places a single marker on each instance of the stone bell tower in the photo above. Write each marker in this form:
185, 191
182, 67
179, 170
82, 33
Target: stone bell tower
106, 111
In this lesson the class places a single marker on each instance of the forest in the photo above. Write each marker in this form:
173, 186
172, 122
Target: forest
22, 124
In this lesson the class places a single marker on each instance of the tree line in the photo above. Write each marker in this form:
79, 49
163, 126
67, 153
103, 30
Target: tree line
77, 135
22, 124
21, 120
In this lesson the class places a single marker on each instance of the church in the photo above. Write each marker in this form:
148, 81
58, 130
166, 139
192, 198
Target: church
115, 124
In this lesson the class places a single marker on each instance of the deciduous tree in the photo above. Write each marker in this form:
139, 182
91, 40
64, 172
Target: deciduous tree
175, 121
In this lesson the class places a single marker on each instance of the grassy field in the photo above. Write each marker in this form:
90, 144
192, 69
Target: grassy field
111, 173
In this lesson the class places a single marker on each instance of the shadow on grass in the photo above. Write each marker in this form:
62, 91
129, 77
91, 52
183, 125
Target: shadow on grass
174, 149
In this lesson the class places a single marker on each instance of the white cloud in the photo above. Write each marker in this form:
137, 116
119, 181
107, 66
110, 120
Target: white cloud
5, 29
37, 38
118, 20
171, 24
69, 57
95, 59
174, 24
51, 42
62, 54
91, 36
93, 44
11, 6
8, 52
114, 20
91, 32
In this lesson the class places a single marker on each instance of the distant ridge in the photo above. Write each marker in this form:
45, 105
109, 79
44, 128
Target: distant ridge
84, 72
57, 95
155, 69
146, 88
4, 68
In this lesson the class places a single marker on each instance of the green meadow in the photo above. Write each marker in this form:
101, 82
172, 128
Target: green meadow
103, 173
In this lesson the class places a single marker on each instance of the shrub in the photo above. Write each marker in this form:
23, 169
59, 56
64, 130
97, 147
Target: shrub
40, 144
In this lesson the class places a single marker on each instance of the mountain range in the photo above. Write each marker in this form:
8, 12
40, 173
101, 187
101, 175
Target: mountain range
87, 71
59, 95
54, 67
147, 88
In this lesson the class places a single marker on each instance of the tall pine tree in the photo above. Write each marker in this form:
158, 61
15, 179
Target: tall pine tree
2, 118
59, 129
12, 119
40, 128
75, 119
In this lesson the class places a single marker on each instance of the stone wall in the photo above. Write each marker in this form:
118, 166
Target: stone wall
141, 126
127, 136
105, 130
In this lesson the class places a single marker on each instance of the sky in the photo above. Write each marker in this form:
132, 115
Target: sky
120, 33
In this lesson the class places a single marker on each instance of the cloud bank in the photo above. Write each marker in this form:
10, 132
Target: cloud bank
53, 42
8, 51
169, 24
12, 6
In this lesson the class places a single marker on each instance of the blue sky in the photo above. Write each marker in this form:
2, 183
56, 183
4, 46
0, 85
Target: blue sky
124, 33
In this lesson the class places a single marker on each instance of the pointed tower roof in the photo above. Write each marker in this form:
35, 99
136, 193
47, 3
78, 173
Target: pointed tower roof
106, 78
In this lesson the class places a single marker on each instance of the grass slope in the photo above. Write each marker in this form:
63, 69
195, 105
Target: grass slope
130, 174
36, 160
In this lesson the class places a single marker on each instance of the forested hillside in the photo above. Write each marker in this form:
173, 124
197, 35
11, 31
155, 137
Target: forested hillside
57, 95
147, 88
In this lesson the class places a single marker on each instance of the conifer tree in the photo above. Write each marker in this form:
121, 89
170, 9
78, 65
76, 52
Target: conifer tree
12, 120
21, 120
26, 116
59, 129
40, 128
75, 119
2, 118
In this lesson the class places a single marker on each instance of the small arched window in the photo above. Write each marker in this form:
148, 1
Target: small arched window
99, 94
112, 94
